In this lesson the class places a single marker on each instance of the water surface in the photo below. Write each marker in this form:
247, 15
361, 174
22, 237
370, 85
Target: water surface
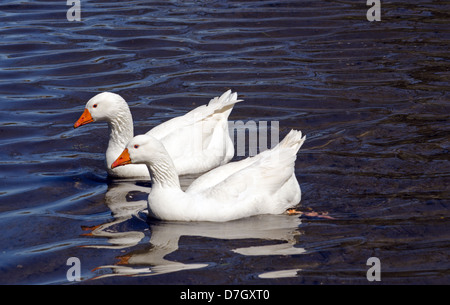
372, 99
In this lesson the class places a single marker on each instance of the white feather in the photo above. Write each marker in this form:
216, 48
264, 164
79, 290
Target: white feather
263, 184
197, 141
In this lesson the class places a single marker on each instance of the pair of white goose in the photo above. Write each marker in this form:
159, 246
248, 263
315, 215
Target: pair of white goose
194, 143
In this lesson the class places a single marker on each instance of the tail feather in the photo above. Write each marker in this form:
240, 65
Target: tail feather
227, 99
293, 139
218, 109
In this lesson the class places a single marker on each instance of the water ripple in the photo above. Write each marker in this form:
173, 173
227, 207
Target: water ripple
372, 99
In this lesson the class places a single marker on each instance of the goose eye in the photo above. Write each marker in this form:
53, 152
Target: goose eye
136, 146
95, 106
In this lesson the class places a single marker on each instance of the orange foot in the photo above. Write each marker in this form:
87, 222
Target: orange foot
86, 228
123, 260
293, 212
309, 214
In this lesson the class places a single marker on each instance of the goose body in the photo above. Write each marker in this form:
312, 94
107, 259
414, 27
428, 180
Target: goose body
263, 184
196, 142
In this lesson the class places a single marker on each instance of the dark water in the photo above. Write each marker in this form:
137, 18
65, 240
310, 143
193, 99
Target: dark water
372, 98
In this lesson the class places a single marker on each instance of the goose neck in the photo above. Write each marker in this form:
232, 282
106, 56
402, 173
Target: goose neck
121, 129
163, 174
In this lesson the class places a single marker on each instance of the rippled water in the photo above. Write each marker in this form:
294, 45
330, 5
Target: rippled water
372, 99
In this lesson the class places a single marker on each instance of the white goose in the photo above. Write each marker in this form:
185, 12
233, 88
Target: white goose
263, 184
196, 142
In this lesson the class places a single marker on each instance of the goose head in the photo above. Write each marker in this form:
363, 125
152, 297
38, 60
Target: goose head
105, 106
143, 149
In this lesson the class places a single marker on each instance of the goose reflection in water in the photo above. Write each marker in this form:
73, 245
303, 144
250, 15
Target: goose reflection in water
277, 232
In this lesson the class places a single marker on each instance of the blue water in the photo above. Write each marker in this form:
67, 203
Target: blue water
372, 99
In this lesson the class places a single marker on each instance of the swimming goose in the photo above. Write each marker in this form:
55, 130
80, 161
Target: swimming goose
196, 142
263, 184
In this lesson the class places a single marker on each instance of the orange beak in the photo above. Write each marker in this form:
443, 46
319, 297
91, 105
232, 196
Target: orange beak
84, 119
123, 159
